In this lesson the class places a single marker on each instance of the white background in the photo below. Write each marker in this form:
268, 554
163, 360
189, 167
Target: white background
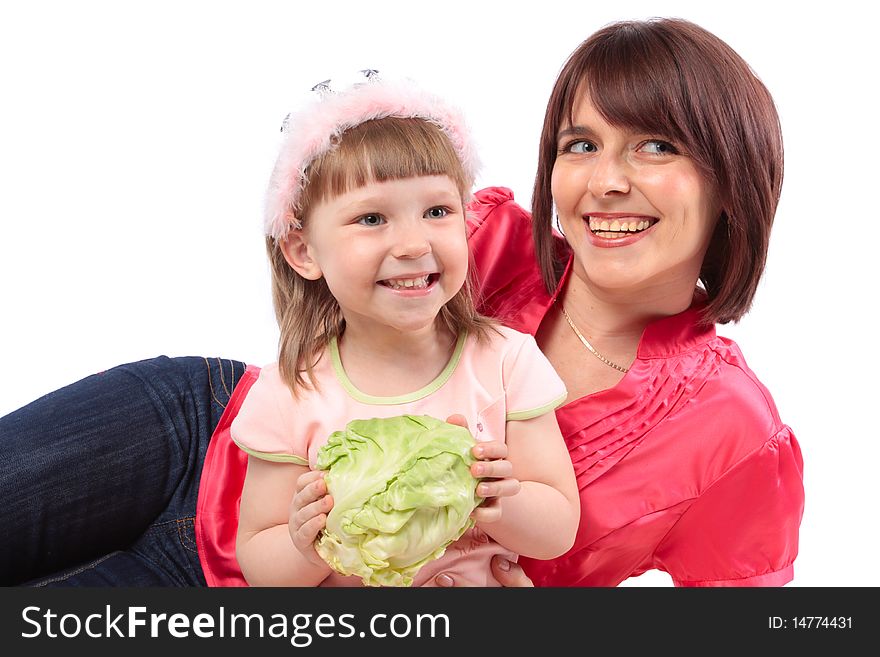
136, 140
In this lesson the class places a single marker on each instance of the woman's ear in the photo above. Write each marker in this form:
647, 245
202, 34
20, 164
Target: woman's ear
298, 255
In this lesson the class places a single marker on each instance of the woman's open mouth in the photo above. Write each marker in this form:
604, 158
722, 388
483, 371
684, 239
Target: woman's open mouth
619, 228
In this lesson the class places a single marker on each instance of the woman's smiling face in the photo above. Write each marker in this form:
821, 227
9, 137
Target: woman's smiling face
634, 208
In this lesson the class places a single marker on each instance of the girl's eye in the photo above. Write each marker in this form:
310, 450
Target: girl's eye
436, 213
371, 220
580, 146
658, 147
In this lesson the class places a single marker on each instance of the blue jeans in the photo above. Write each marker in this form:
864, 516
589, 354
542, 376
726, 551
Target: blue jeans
99, 480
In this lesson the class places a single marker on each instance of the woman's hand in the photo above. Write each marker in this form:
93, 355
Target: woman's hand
507, 573
308, 513
494, 471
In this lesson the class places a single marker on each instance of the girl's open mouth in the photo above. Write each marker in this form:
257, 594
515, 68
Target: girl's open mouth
417, 283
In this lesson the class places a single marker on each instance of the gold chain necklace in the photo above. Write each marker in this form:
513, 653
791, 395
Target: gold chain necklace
586, 343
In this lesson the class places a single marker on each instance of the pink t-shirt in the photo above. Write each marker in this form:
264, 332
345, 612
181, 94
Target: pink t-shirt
489, 382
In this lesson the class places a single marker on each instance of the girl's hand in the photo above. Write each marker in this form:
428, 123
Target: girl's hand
308, 513
496, 474
497, 480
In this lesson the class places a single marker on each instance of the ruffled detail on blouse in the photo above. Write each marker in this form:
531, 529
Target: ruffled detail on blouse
602, 428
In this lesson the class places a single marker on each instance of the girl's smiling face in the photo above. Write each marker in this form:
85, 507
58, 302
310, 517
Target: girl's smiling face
634, 208
392, 253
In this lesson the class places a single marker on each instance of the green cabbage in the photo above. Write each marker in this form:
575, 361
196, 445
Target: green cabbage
402, 491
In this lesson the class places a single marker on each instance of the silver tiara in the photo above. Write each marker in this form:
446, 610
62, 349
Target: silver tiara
324, 89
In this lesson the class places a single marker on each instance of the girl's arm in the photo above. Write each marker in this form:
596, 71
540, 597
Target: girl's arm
283, 507
541, 519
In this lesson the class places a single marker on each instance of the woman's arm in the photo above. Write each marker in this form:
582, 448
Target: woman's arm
283, 507
541, 520
742, 529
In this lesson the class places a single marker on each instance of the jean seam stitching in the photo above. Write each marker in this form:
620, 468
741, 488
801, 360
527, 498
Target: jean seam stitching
185, 541
66, 576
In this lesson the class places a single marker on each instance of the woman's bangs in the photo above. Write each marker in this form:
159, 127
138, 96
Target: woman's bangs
632, 89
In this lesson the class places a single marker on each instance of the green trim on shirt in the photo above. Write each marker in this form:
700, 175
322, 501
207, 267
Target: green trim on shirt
535, 412
275, 458
429, 389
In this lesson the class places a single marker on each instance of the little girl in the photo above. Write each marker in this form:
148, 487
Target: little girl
366, 237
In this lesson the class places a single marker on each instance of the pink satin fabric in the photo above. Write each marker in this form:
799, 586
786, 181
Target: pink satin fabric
220, 493
684, 466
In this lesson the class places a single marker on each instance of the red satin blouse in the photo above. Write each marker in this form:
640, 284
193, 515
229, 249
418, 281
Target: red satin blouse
683, 466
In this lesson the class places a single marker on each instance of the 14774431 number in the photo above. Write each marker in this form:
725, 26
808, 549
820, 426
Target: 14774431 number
810, 622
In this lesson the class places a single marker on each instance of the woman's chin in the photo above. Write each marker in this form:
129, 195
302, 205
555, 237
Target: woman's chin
615, 280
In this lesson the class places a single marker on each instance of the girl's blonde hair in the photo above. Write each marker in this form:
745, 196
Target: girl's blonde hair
388, 148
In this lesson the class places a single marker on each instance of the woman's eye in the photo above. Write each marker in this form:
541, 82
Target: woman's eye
371, 220
658, 147
436, 213
580, 147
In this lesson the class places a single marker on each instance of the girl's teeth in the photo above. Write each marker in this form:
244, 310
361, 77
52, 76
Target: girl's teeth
408, 283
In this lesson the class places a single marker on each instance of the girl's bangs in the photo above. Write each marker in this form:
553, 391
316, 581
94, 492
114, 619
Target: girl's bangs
384, 149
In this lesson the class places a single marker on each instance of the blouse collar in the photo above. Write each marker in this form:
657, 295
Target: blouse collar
664, 337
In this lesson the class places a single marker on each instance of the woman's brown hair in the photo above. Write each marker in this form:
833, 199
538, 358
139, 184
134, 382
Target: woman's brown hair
673, 78
390, 148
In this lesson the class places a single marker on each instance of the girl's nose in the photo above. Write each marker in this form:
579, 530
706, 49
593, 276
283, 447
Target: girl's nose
411, 241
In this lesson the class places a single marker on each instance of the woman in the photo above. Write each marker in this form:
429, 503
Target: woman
662, 154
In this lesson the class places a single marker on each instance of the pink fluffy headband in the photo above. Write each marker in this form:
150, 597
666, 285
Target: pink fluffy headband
310, 132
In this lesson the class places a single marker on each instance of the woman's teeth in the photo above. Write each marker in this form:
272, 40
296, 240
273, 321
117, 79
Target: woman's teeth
617, 228
406, 283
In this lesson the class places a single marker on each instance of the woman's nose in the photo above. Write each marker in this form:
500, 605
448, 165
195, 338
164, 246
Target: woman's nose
609, 176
